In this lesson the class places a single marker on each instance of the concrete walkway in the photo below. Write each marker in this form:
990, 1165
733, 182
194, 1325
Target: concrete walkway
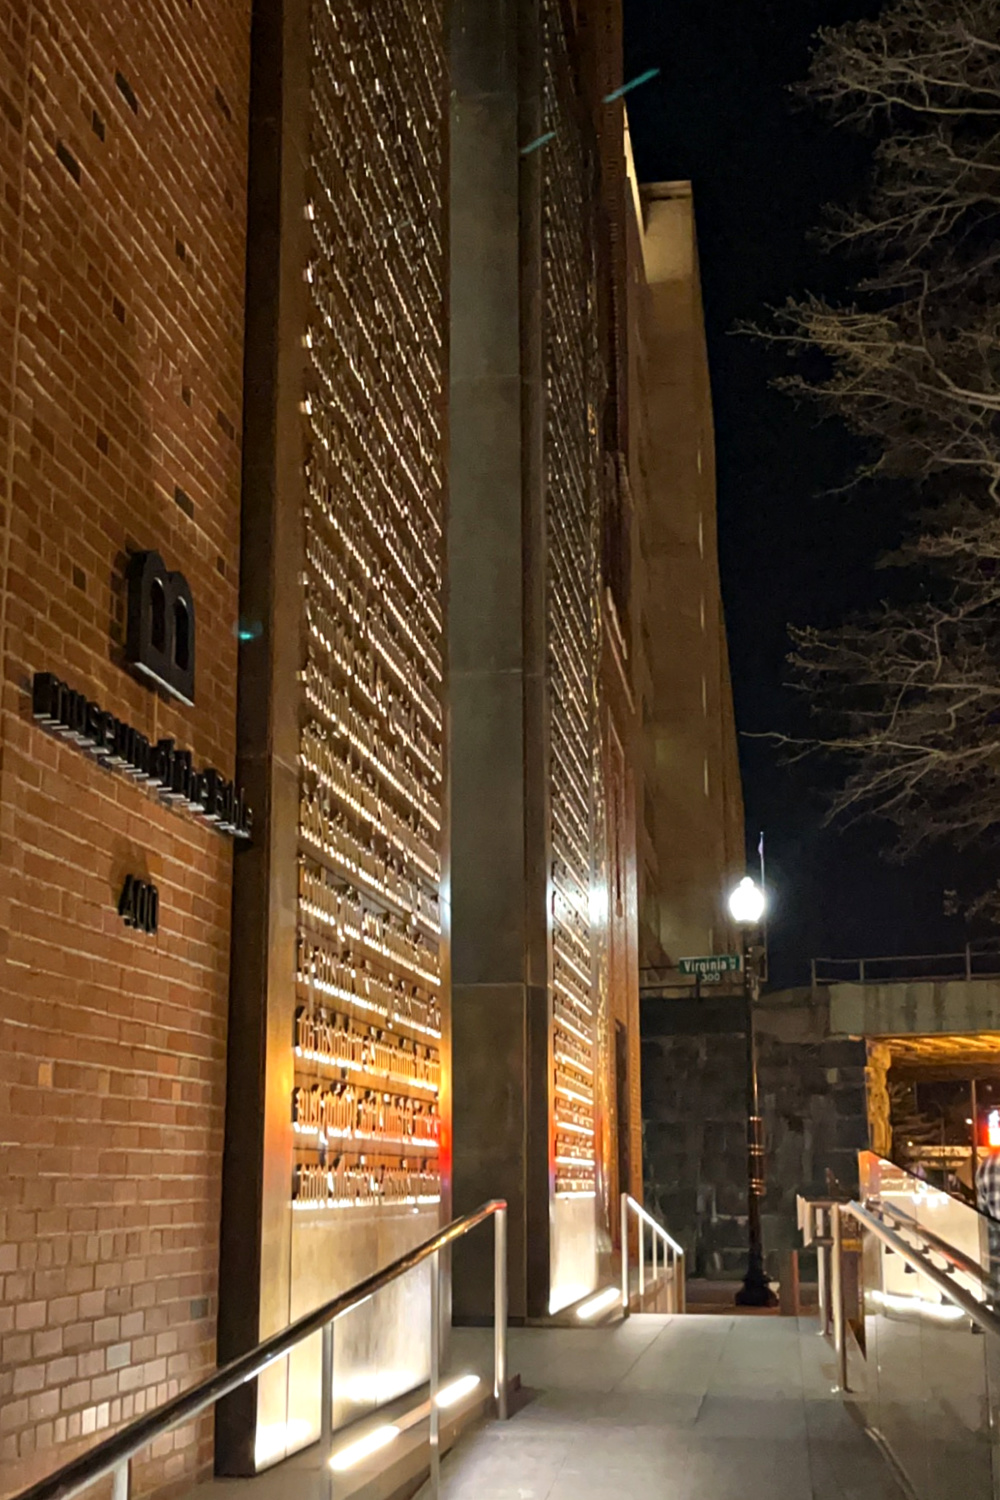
691, 1408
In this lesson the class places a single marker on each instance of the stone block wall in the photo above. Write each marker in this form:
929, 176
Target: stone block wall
694, 1119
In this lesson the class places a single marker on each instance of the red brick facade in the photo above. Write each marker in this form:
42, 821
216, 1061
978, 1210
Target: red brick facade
123, 133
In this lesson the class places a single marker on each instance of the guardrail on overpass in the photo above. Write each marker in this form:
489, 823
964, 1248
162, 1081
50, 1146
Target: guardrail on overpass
907, 968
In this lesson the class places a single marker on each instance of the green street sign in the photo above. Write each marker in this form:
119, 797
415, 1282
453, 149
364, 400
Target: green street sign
715, 965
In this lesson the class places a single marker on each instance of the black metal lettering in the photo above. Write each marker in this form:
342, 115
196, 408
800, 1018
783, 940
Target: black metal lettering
44, 696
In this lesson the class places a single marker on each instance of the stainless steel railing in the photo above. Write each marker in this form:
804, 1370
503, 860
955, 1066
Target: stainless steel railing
673, 1256
113, 1456
910, 1294
821, 1221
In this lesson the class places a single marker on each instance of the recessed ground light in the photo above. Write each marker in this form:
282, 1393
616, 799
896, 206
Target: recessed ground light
453, 1393
608, 1298
381, 1437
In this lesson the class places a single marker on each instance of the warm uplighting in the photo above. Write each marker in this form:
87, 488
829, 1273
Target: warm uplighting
610, 1297
945, 1312
567, 1293
452, 1394
353, 1454
746, 903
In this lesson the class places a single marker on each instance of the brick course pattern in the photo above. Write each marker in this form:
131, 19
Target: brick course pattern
123, 134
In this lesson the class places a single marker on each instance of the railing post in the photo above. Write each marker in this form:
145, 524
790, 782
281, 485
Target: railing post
500, 1313
680, 1271
968, 960
119, 1482
642, 1262
822, 1256
435, 1416
654, 1237
837, 1297
625, 1296
325, 1416
861, 969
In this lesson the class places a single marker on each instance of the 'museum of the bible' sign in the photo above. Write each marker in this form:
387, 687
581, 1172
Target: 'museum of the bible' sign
165, 769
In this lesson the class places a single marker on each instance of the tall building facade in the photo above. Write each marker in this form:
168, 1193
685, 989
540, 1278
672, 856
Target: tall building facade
542, 871
123, 162
327, 959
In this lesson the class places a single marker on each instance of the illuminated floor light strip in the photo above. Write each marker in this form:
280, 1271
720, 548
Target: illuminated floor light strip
610, 1297
364, 1448
453, 1393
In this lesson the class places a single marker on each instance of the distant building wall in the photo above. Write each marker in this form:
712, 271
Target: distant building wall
694, 1111
123, 133
691, 805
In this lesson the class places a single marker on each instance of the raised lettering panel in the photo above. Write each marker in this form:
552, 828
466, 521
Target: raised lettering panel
368, 1026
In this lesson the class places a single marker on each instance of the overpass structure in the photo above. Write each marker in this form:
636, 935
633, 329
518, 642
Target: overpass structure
940, 1006
924, 1018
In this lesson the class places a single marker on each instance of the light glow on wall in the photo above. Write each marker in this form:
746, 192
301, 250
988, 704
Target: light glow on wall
373, 1442
944, 1312
565, 1296
453, 1393
610, 1297
276, 1439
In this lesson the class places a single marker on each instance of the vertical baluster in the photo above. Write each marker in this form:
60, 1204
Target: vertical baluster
435, 1418
822, 1260
500, 1313
624, 1235
120, 1481
326, 1416
642, 1261
837, 1297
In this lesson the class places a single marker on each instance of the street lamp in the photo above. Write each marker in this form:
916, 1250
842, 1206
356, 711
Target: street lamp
746, 907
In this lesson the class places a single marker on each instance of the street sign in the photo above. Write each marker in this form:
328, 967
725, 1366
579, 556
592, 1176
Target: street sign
712, 967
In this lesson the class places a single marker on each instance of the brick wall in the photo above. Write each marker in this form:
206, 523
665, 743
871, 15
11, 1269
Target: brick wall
122, 212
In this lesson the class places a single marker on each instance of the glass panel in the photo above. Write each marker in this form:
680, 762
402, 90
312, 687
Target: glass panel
931, 1376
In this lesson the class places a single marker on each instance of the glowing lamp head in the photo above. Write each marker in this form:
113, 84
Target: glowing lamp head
746, 903
993, 1129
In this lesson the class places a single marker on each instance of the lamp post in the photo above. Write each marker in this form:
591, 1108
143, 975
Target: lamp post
746, 907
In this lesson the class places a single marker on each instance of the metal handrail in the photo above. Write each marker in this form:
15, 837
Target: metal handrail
977, 1311
865, 970
112, 1456
958, 1258
678, 1292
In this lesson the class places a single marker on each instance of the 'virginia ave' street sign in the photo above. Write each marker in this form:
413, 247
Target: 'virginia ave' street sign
717, 963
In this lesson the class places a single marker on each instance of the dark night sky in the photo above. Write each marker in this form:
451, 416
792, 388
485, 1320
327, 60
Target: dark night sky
762, 167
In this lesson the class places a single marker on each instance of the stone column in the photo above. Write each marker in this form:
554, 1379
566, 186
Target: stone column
500, 1005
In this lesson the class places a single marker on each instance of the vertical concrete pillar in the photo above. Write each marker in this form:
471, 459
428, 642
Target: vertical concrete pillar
500, 1001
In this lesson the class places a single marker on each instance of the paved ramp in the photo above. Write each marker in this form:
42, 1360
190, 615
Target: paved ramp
692, 1408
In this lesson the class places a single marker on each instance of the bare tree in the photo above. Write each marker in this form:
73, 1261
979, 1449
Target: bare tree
914, 365
934, 59
910, 698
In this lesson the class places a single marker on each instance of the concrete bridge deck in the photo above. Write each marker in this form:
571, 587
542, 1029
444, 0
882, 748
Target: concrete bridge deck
689, 1408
